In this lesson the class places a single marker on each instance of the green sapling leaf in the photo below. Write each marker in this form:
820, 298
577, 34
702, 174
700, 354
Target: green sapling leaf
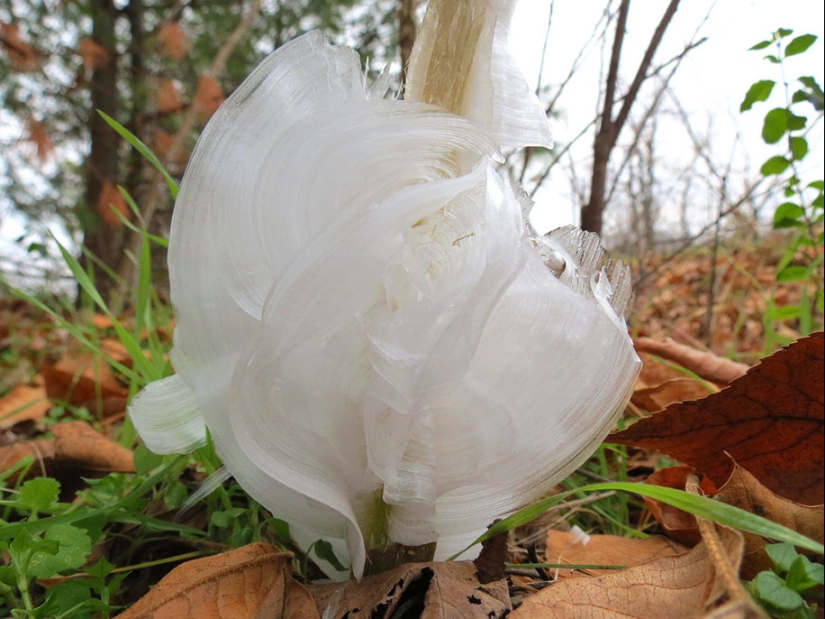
72, 545
771, 590
145, 460
323, 550
775, 125
805, 574
783, 555
795, 122
760, 45
793, 273
775, 165
175, 495
226, 518
7, 576
39, 494
788, 215
71, 598
799, 44
759, 91
813, 93
280, 528
799, 147
101, 569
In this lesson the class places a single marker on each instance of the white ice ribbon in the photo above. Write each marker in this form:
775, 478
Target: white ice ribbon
377, 347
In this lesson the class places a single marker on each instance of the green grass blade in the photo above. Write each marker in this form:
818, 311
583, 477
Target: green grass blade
142, 365
136, 211
697, 505
142, 149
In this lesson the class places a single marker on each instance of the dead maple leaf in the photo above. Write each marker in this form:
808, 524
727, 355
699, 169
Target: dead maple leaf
655, 371
208, 97
565, 548
654, 399
744, 491
76, 451
168, 100
678, 524
251, 582
162, 144
85, 380
770, 421
426, 590
23, 403
92, 54
22, 56
173, 41
683, 586
705, 364
110, 201
39, 138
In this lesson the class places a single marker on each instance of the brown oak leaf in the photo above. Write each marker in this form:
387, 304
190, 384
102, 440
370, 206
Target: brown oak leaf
744, 491
683, 586
251, 582
425, 590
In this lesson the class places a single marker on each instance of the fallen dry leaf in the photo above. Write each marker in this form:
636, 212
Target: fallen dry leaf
770, 421
428, 590
85, 380
562, 547
653, 399
684, 586
93, 55
168, 101
76, 451
208, 97
744, 491
39, 138
678, 524
23, 403
705, 364
22, 56
655, 371
110, 204
251, 582
173, 41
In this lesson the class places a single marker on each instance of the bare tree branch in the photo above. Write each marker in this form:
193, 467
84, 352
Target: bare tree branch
609, 129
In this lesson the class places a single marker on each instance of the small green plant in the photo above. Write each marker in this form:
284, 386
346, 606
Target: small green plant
45, 538
802, 208
782, 591
57, 548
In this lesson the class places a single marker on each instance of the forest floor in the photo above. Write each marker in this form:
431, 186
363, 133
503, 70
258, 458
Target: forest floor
90, 521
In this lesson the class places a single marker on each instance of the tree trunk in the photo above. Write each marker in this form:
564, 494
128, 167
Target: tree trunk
104, 240
407, 31
592, 214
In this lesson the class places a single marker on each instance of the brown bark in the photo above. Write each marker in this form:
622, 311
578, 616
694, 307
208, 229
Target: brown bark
407, 31
101, 239
151, 199
592, 214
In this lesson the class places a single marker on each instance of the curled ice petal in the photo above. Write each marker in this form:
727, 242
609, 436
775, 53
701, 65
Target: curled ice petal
167, 417
379, 350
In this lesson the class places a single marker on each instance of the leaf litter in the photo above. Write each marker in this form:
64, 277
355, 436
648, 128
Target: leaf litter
770, 421
686, 579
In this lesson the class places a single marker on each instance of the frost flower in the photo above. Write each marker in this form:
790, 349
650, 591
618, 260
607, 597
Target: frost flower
380, 351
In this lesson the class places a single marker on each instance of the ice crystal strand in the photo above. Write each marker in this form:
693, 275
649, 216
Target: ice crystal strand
455, 30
